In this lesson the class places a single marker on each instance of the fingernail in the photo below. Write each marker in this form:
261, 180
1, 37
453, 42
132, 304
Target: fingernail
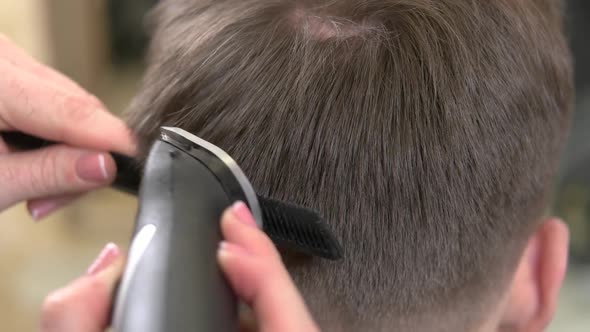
43, 209
240, 209
92, 167
106, 257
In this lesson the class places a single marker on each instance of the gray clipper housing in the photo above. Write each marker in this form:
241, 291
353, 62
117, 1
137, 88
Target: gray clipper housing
172, 281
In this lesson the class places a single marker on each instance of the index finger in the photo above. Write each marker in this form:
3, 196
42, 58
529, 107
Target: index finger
40, 109
255, 271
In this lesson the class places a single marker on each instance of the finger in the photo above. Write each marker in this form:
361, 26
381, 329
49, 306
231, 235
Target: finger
248, 237
263, 283
52, 171
38, 108
19, 58
84, 305
42, 207
259, 278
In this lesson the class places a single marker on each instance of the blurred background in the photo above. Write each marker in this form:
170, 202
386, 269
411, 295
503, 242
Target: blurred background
100, 44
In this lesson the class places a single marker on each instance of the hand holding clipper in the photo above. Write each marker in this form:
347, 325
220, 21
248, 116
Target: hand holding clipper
172, 281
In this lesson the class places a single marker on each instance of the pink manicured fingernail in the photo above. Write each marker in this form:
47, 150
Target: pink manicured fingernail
240, 209
43, 209
92, 167
106, 257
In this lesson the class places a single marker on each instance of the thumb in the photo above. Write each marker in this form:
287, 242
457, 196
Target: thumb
52, 171
84, 305
253, 267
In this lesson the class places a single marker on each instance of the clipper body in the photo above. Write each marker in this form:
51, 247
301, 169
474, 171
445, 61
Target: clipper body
172, 281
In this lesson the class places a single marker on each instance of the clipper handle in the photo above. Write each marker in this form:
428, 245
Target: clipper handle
172, 281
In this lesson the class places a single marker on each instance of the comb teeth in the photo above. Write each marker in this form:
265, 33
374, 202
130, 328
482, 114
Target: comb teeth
299, 229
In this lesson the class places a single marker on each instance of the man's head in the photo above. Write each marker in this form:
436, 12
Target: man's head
425, 132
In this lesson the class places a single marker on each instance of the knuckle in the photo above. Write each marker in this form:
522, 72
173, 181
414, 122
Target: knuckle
78, 108
16, 88
44, 174
59, 168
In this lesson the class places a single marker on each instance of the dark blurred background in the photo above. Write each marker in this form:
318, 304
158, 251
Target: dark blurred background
573, 191
129, 29
101, 44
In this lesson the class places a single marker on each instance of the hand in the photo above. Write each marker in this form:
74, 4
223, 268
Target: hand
39, 101
247, 256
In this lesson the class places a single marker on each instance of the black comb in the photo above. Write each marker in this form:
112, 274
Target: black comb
298, 228
288, 225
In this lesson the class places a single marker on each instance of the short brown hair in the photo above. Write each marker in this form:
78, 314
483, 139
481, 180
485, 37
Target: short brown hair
425, 132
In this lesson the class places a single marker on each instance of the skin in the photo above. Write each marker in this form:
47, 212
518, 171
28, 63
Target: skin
248, 258
39, 101
253, 267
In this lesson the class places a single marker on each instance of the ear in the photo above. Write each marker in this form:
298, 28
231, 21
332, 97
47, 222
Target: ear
533, 293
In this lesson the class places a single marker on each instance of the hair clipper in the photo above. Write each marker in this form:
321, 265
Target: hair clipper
172, 281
